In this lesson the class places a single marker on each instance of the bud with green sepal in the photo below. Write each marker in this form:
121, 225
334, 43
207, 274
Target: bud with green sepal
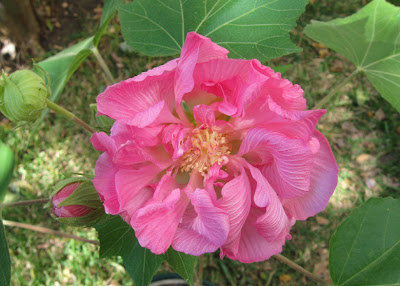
23, 95
76, 202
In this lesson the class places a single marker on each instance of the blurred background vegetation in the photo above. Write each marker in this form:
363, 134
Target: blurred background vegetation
363, 129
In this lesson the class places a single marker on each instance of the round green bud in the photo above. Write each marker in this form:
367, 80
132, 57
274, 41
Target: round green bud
23, 95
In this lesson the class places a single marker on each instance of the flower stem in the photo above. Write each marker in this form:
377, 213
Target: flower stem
334, 91
297, 267
25, 203
103, 65
68, 115
48, 231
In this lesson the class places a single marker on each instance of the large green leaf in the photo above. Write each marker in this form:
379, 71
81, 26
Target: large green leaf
116, 237
6, 169
182, 263
248, 29
141, 264
365, 249
5, 263
370, 39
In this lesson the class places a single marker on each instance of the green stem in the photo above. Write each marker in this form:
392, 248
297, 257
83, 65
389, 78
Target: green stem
60, 110
103, 65
333, 91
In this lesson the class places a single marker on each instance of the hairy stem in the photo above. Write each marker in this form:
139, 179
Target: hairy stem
47, 230
103, 65
69, 115
334, 91
299, 268
25, 203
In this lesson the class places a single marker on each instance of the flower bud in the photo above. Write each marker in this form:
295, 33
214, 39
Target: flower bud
75, 201
23, 95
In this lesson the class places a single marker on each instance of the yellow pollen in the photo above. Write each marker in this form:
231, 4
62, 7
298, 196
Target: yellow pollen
208, 147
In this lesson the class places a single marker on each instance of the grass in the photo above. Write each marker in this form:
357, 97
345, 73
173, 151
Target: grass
363, 130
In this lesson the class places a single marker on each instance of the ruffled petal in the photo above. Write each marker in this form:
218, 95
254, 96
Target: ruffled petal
204, 114
253, 247
102, 142
204, 227
236, 202
104, 182
324, 176
197, 49
167, 205
140, 102
286, 162
130, 181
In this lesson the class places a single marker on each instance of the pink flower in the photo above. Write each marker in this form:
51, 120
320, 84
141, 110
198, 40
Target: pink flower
212, 153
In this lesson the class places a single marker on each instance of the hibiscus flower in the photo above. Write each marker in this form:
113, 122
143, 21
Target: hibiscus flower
212, 153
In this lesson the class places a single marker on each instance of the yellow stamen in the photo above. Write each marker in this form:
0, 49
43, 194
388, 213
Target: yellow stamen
209, 146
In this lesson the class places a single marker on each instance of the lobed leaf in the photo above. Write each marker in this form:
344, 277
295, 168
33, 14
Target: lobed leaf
182, 263
248, 29
365, 249
371, 40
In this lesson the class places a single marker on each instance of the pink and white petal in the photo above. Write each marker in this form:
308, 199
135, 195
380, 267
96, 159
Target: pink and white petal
324, 176
204, 227
253, 247
158, 71
236, 202
141, 198
204, 114
196, 49
102, 142
139, 103
155, 224
129, 182
104, 182
286, 162
263, 189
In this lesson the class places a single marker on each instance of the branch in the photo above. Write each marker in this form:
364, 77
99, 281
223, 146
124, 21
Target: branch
25, 203
48, 231
299, 268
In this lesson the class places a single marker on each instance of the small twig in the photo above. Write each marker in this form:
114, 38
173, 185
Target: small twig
48, 231
333, 91
201, 266
299, 268
103, 65
25, 203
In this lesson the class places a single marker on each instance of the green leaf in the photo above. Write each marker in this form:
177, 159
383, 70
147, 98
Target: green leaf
141, 264
248, 29
370, 39
116, 237
5, 263
109, 10
365, 249
282, 69
182, 263
6, 169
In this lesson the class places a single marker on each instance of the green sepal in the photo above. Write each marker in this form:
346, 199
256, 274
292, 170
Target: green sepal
104, 122
90, 219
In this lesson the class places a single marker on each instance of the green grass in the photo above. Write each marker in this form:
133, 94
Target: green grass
360, 125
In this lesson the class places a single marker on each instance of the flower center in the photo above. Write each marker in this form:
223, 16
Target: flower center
208, 147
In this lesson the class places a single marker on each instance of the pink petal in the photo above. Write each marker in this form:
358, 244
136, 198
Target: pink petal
104, 182
130, 181
287, 162
102, 142
263, 189
324, 176
253, 247
140, 102
204, 114
236, 202
197, 49
141, 198
204, 227
155, 224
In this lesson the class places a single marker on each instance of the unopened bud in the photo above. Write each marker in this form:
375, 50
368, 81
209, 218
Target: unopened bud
75, 201
23, 95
